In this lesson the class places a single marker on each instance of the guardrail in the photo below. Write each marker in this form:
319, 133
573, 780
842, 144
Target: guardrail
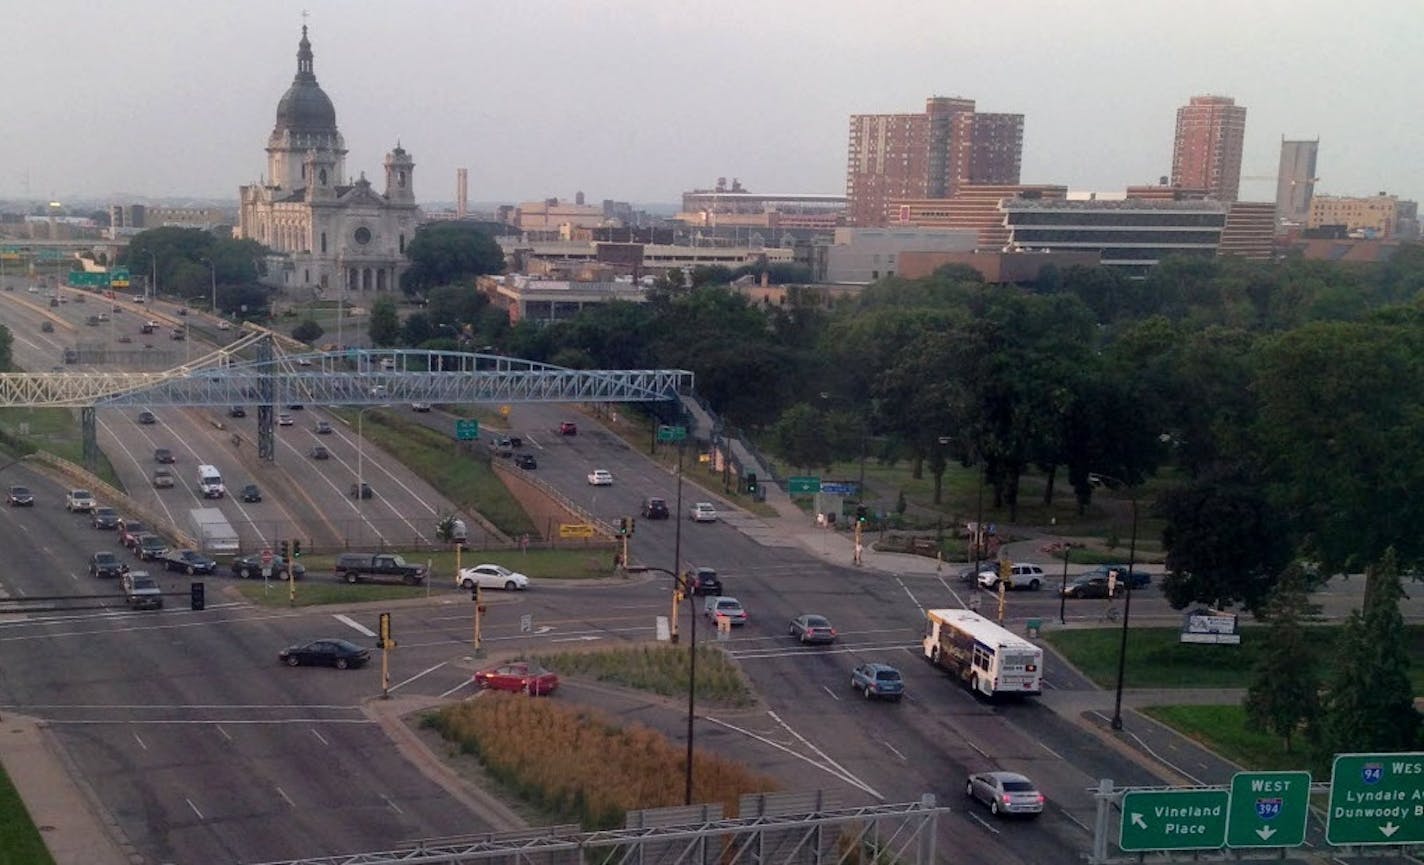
81, 477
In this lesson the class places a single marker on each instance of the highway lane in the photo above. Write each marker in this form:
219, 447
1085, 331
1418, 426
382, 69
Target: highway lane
195, 739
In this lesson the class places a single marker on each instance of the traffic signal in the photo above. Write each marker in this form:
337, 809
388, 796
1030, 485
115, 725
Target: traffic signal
296, 549
197, 596
285, 548
632, 524
751, 482
622, 526
860, 513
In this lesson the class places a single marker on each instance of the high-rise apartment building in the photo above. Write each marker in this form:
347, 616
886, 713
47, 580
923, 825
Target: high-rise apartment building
1295, 184
930, 155
1207, 153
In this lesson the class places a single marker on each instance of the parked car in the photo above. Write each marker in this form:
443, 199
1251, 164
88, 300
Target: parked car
150, 548
250, 567
654, 508
706, 582
878, 680
237, 411
224, 325
520, 677
251, 493
20, 497
319, 452
162, 479
322, 428
106, 565
526, 461
141, 591
491, 577
1021, 576
1005, 793
189, 562
340, 654
130, 531
1086, 586
79, 501
810, 628
703, 512
164, 456
420, 407
600, 478
104, 518
727, 608
568, 428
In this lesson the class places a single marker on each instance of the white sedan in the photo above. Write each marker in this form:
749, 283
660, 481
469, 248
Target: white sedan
703, 512
600, 478
491, 577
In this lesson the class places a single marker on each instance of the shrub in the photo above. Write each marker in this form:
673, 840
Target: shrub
581, 765
660, 669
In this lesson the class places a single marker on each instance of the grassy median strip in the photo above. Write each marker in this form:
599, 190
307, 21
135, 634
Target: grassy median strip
468, 482
26, 430
1225, 731
20, 842
659, 669
578, 764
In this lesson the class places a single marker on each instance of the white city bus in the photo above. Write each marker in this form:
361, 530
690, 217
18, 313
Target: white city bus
987, 658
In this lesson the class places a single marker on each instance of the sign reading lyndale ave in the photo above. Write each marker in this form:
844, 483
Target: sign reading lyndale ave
1376, 799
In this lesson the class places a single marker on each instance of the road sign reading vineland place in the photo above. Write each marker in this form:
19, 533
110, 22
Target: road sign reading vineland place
1173, 820
1376, 799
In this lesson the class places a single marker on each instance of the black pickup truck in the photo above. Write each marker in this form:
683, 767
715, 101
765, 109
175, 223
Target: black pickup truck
378, 567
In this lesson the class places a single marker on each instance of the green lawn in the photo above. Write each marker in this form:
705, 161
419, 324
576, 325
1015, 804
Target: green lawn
20, 842
1156, 658
56, 430
1225, 730
660, 669
467, 481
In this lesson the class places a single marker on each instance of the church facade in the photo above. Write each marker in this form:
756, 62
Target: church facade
332, 236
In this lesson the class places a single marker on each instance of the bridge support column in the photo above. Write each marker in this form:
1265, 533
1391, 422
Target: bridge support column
89, 436
266, 396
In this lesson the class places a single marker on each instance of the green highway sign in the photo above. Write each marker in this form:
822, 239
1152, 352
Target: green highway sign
467, 430
1376, 799
1268, 809
671, 433
803, 486
1172, 820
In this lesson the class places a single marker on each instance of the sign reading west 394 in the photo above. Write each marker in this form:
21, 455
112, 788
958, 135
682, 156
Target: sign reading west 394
1376, 799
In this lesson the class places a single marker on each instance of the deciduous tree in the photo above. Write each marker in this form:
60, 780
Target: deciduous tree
1284, 695
385, 326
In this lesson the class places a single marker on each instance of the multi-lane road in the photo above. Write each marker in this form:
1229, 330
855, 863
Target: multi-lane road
203, 749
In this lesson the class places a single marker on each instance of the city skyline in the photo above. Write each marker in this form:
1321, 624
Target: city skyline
640, 102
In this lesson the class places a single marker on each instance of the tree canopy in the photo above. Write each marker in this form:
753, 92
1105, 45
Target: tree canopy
445, 253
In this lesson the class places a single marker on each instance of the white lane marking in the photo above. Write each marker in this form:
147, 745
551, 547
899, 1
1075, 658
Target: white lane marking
756, 654
195, 808
894, 750
186, 706
154, 722
319, 737
223, 732
394, 806
1049, 750
140, 741
780, 747
827, 757
828, 691
288, 799
982, 822
906, 590
584, 638
958, 601
1165, 762
1079, 823
463, 684
360, 628
418, 675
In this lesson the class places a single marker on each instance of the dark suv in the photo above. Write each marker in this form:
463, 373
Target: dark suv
706, 582
105, 564
655, 509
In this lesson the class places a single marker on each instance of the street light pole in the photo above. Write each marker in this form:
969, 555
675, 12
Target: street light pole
1126, 614
213, 269
691, 664
153, 275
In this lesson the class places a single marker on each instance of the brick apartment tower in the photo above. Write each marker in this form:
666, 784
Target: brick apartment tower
929, 155
1207, 154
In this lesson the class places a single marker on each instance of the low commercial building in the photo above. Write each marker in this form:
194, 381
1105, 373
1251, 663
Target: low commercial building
545, 301
1382, 217
863, 255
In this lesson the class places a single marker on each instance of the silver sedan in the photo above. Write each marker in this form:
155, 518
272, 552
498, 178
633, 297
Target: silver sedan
1005, 793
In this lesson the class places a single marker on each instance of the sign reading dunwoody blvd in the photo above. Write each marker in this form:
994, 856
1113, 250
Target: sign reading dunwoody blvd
1376, 799
1173, 820
1268, 809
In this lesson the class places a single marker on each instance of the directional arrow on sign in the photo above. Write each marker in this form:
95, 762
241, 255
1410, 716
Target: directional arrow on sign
1138, 821
1265, 832
1389, 829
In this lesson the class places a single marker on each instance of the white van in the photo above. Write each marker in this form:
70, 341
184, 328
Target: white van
210, 482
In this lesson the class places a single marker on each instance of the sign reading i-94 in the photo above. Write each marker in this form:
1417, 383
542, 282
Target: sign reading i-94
1376, 799
1268, 809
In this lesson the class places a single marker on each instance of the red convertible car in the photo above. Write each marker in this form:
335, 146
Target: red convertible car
521, 677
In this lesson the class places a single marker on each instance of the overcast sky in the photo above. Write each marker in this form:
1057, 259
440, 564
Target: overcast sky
639, 100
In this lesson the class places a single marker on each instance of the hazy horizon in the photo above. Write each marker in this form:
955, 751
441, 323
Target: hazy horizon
638, 101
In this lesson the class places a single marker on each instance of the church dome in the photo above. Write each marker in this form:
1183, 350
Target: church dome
305, 107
